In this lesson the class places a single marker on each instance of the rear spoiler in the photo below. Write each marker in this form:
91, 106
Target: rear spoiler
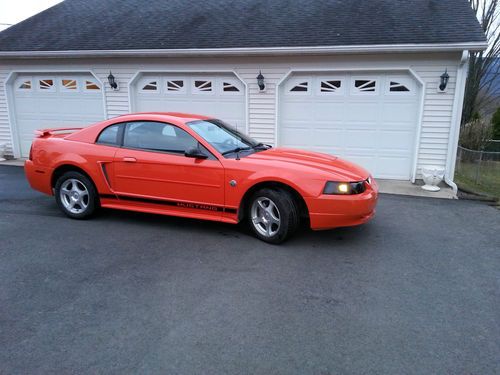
45, 132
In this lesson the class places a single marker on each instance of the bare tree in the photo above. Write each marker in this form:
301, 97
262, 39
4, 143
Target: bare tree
484, 67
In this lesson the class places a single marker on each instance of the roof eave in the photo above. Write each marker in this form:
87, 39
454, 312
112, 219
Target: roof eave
257, 51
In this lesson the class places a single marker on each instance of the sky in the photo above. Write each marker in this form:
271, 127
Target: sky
14, 11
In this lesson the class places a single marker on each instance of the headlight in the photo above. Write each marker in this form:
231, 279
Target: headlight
344, 188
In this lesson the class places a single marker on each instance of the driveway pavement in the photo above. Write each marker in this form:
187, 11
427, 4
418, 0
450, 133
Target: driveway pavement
415, 291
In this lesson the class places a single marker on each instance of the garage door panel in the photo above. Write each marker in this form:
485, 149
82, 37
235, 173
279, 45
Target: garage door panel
398, 112
219, 95
395, 140
298, 111
397, 167
374, 127
332, 112
360, 139
362, 112
329, 138
367, 161
37, 108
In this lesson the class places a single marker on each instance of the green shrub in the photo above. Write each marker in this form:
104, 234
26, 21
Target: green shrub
475, 134
495, 122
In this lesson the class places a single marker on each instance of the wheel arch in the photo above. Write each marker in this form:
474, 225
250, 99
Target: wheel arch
68, 167
244, 203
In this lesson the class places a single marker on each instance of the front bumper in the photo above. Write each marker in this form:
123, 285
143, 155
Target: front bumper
332, 211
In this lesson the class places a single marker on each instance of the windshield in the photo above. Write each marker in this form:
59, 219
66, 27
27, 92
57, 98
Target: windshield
224, 138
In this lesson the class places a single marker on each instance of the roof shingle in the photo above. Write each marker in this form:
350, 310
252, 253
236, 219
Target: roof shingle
183, 24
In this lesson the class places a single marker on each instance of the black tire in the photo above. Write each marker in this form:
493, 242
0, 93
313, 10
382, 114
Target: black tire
287, 208
89, 197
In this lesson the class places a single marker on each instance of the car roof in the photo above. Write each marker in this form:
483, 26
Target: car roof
167, 116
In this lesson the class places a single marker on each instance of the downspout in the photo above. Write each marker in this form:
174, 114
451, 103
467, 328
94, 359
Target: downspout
458, 103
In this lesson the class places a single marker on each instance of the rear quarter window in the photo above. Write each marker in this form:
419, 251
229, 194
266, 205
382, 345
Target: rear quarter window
110, 136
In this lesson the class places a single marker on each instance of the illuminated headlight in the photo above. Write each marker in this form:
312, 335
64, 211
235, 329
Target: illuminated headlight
344, 188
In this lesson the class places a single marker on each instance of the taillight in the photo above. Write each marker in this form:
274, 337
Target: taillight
31, 153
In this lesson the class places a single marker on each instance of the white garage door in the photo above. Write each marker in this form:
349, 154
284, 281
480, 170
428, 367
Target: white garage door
218, 95
367, 118
54, 100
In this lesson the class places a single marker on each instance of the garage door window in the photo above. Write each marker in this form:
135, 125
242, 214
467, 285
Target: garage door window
398, 87
69, 85
150, 86
175, 86
46, 84
229, 87
91, 86
25, 85
300, 88
362, 86
330, 86
201, 86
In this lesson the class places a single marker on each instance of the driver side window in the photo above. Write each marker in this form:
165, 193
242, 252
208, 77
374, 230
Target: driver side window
157, 136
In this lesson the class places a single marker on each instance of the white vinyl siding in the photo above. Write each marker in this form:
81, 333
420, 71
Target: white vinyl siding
262, 106
5, 135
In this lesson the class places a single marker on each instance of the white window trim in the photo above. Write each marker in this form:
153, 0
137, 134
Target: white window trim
356, 91
90, 91
197, 91
401, 80
63, 88
19, 82
147, 81
232, 82
50, 89
297, 82
340, 91
183, 89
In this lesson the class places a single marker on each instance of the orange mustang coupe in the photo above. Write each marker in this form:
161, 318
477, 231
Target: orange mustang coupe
198, 167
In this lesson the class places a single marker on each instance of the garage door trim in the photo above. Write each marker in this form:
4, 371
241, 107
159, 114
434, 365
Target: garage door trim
409, 70
140, 73
9, 92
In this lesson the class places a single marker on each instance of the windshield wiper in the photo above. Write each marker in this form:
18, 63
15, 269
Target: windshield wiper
237, 150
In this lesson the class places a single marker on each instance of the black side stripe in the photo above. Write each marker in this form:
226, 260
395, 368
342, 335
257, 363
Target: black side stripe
197, 206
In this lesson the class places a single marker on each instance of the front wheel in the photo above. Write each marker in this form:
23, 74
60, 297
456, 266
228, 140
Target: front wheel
273, 215
76, 195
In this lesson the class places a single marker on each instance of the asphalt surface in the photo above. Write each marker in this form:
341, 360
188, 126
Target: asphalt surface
415, 291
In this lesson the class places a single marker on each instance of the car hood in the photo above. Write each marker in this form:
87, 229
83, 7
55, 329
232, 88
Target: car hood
329, 164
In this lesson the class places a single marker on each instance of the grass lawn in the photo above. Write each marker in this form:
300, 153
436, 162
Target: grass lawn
489, 178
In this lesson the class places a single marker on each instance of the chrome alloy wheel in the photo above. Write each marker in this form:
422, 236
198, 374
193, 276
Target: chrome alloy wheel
74, 196
265, 217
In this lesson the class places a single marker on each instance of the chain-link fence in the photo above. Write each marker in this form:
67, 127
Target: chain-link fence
493, 145
478, 171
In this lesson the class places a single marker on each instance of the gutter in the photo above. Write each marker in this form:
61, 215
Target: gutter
259, 51
458, 103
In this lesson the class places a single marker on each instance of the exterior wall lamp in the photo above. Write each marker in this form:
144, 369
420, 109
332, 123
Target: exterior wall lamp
444, 80
112, 82
260, 81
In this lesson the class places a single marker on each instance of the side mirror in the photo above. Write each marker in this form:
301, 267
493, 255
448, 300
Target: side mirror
195, 152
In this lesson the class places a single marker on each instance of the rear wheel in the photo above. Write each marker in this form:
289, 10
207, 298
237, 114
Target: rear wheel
76, 195
273, 215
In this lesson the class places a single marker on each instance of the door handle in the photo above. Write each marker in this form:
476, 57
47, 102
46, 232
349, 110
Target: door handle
129, 159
